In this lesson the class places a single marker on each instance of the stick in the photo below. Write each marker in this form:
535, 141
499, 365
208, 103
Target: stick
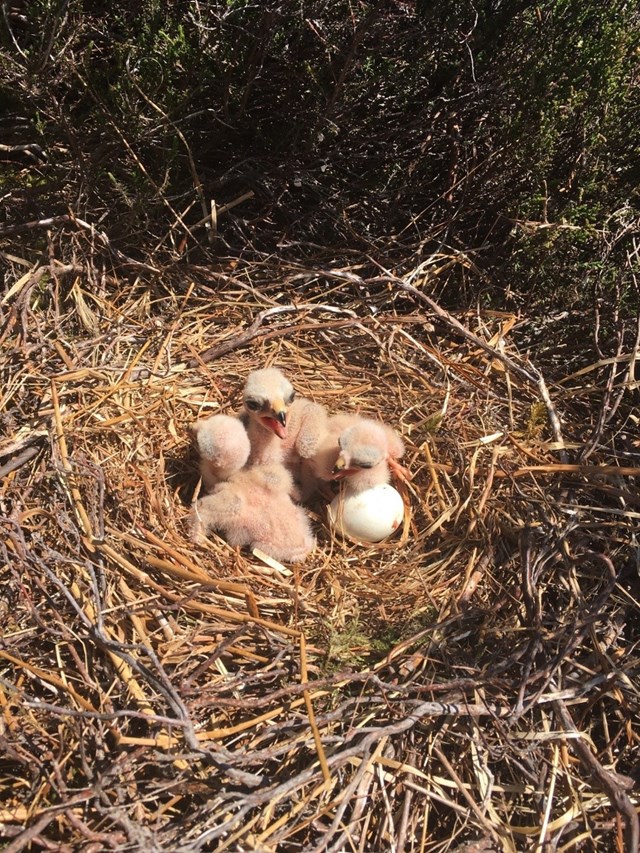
304, 678
615, 785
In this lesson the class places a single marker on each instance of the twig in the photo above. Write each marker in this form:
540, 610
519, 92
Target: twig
304, 678
255, 329
220, 211
615, 785
18, 460
28, 835
498, 836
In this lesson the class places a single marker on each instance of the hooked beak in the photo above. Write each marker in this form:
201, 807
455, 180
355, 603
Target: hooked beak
277, 422
342, 469
279, 411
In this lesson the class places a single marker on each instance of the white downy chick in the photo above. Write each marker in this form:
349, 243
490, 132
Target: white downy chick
281, 428
267, 396
360, 451
223, 446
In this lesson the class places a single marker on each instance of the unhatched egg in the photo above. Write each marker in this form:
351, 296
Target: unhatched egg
368, 516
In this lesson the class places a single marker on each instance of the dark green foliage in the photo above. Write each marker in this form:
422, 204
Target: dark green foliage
353, 124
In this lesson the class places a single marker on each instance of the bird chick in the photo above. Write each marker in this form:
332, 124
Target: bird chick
317, 468
307, 426
281, 428
267, 396
253, 509
360, 451
223, 445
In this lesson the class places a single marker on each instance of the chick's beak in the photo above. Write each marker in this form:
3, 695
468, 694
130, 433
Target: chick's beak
340, 464
277, 420
343, 468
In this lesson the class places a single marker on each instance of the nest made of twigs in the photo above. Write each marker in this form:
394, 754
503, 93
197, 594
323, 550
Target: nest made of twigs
468, 682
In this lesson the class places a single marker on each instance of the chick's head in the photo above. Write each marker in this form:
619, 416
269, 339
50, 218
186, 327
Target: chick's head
268, 394
363, 447
222, 441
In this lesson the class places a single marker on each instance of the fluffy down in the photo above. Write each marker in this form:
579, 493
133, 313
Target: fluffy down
253, 509
317, 468
224, 447
307, 427
358, 450
281, 428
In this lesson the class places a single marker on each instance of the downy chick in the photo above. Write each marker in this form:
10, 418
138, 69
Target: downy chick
281, 428
253, 508
360, 451
223, 446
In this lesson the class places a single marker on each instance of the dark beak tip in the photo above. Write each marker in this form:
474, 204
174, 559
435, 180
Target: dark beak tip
282, 418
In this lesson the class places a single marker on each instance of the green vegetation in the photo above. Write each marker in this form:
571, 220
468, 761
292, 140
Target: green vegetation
473, 116
506, 130
347, 645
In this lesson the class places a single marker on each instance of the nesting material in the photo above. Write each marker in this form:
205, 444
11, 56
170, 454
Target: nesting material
514, 592
370, 515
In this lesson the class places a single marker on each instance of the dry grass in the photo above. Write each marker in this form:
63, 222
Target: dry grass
471, 685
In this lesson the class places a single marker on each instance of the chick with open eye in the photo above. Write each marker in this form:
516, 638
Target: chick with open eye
267, 398
281, 428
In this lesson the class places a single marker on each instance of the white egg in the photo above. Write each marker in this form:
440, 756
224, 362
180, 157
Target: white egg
368, 516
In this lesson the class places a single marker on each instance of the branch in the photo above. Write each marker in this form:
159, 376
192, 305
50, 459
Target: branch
615, 785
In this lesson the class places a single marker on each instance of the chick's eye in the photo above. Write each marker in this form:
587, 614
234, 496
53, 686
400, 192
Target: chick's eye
362, 464
291, 398
253, 405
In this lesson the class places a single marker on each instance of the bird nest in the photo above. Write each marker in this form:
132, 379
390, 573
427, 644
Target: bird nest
470, 684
